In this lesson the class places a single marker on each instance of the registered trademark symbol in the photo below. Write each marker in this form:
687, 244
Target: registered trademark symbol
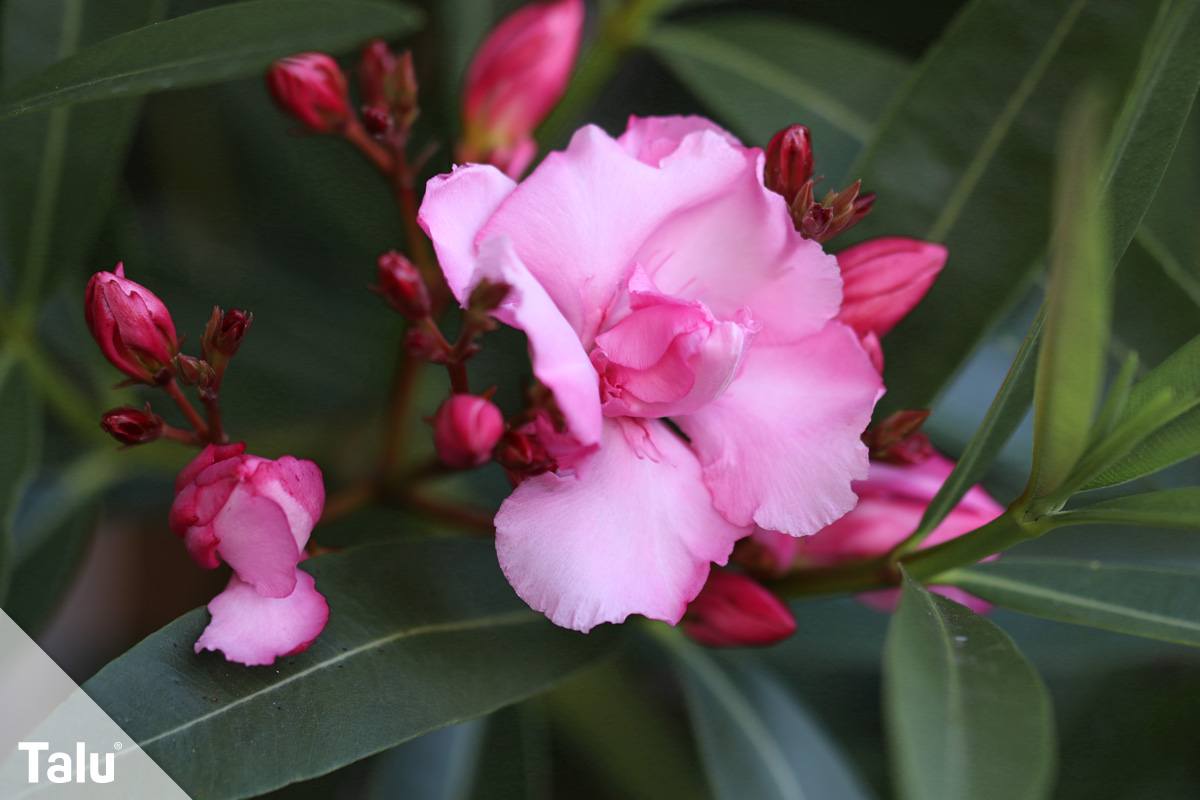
118, 746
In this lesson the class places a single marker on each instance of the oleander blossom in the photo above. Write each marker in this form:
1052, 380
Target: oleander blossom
656, 279
892, 501
256, 515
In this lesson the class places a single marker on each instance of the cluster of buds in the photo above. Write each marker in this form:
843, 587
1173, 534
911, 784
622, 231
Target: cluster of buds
136, 334
388, 83
789, 173
898, 438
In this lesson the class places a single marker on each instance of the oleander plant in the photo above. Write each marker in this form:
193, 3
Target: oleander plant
615, 399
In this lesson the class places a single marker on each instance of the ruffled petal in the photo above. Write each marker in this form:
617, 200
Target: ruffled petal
633, 535
254, 538
578, 221
782, 445
651, 139
255, 630
297, 487
455, 207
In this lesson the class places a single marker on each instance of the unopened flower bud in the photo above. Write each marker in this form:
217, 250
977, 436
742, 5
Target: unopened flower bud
131, 426
224, 333
898, 438
789, 162
132, 326
399, 282
517, 76
194, 371
838, 212
312, 88
389, 82
465, 429
523, 455
733, 610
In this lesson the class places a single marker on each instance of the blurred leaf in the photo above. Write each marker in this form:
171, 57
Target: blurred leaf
221, 43
1169, 508
756, 739
967, 715
1071, 360
1157, 298
963, 157
1155, 602
437, 766
59, 169
759, 73
1117, 398
1003, 417
407, 650
20, 432
515, 758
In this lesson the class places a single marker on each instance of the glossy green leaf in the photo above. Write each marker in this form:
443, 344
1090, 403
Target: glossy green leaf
59, 168
1155, 602
759, 73
1072, 357
229, 41
755, 737
967, 716
964, 156
1169, 508
422, 634
20, 432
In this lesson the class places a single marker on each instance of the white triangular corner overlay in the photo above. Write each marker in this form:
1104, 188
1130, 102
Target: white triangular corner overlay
55, 742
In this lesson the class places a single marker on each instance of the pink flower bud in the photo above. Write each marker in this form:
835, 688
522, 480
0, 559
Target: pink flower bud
733, 610
312, 88
389, 82
517, 76
256, 515
132, 326
131, 426
789, 162
224, 333
883, 279
401, 285
465, 429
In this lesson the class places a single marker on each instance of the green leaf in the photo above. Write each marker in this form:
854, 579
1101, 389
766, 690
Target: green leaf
437, 766
1071, 361
229, 41
759, 73
1170, 444
756, 739
20, 432
967, 716
1154, 602
1169, 508
59, 168
964, 156
422, 634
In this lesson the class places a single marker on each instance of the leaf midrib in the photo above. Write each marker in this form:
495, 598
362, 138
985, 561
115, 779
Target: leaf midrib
512, 618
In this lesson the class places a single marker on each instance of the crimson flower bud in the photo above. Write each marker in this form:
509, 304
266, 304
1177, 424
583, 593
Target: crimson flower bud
789, 161
224, 333
389, 82
517, 76
193, 371
733, 610
132, 326
131, 426
377, 120
401, 285
898, 438
523, 455
312, 88
465, 429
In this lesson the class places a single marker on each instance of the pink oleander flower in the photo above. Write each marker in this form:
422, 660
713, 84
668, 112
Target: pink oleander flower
254, 514
891, 502
883, 279
312, 88
518, 75
655, 278
465, 429
733, 610
132, 326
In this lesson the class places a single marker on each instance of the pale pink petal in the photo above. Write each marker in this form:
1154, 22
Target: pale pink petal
255, 630
782, 445
559, 360
255, 539
651, 139
883, 279
578, 221
455, 207
297, 487
634, 535
739, 250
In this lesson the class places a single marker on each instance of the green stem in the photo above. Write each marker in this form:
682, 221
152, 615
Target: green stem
621, 29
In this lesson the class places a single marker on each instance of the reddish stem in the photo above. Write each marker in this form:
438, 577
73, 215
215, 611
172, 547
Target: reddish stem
189, 411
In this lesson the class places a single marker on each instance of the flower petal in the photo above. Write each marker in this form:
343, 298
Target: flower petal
255, 630
297, 487
651, 139
633, 535
884, 279
781, 446
254, 538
